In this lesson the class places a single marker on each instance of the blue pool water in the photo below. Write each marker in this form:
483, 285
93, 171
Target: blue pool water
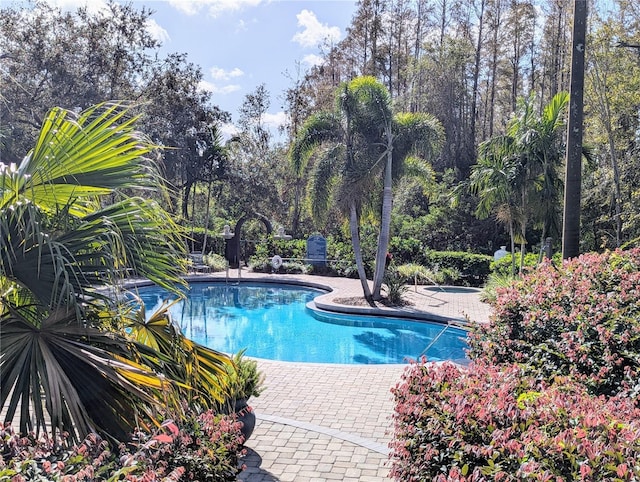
272, 321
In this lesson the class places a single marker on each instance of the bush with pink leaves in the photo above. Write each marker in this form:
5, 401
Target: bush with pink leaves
206, 448
550, 394
500, 423
582, 319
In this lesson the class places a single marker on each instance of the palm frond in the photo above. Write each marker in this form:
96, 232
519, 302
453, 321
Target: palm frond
371, 108
151, 242
319, 128
82, 378
198, 368
78, 157
552, 113
417, 133
322, 179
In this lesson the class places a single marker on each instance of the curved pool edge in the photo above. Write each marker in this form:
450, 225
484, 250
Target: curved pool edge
332, 309
323, 302
140, 282
420, 316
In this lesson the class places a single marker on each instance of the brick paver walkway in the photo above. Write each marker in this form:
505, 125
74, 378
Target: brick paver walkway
321, 422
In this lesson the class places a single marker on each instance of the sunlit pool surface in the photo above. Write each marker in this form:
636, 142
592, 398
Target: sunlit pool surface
272, 321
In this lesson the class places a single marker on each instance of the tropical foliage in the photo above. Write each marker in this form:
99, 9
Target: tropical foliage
518, 177
356, 144
72, 226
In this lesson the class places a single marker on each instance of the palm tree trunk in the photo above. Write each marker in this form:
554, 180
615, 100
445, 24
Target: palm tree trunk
385, 221
543, 238
295, 222
523, 226
206, 218
513, 249
355, 241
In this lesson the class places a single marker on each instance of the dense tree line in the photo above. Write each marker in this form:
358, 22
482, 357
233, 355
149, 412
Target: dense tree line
469, 63
77, 59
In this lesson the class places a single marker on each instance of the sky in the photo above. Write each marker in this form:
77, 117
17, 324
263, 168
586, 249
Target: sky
240, 44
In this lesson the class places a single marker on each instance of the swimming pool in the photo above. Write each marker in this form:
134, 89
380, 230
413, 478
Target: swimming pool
272, 321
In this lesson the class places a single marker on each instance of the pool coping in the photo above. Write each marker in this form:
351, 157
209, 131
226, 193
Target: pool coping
324, 302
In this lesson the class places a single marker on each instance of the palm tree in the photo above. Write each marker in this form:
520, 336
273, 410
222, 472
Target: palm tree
521, 169
411, 139
65, 358
357, 144
342, 164
212, 168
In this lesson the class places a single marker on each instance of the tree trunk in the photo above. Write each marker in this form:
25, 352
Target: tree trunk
385, 221
476, 74
604, 111
573, 172
543, 238
206, 218
523, 224
185, 199
513, 248
355, 240
295, 222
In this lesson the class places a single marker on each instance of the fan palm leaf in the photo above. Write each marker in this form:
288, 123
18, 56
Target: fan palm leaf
88, 378
199, 367
77, 158
59, 244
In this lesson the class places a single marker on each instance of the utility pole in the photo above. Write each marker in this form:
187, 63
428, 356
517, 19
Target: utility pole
573, 172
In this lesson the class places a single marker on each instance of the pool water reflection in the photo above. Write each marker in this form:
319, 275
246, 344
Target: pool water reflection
272, 321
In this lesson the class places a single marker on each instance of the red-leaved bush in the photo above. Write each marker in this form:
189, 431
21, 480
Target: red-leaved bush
206, 447
552, 390
582, 320
500, 423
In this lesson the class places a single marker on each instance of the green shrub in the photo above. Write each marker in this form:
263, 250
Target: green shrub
395, 285
294, 249
195, 239
263, 265
494, 283
473, 268
295, 267
447, 276
215, 261
341, 260
531, 260
406, 250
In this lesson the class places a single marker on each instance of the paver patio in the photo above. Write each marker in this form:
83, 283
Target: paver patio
322, 422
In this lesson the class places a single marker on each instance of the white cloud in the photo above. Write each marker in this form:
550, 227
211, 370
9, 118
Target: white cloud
228, 130
93, 6
208, 86
275, 120
244, 24
156, 31
312, 60
220, 74
214, 7
218, 89
314, 32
